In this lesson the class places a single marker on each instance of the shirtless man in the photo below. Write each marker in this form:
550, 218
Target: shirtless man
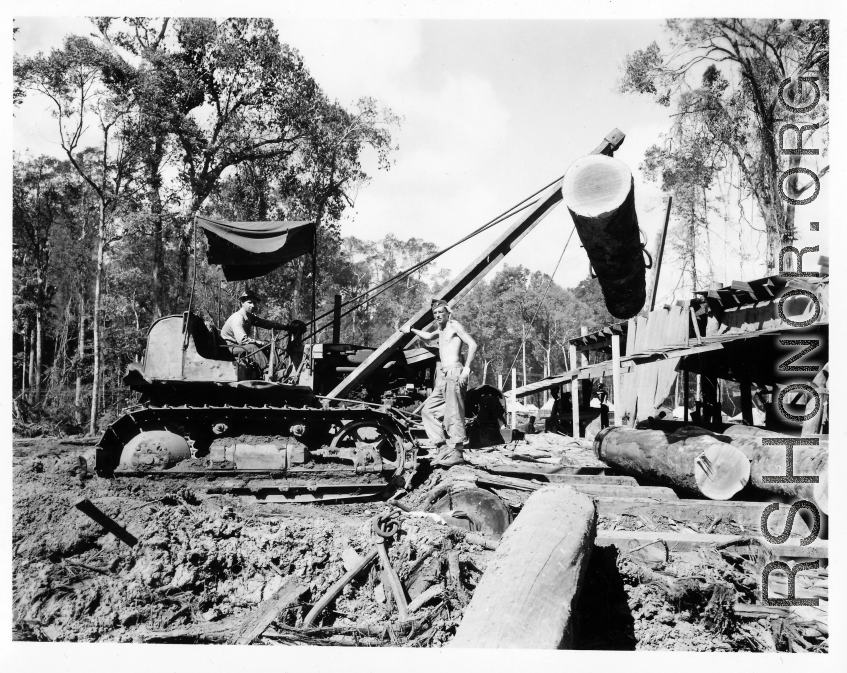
445, 408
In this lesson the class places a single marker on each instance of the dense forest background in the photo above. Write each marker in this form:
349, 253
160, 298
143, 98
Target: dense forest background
160, 120
215, 118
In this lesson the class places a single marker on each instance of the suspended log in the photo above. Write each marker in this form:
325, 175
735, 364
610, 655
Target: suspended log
698, 463
600, 195
528, 593
770, 461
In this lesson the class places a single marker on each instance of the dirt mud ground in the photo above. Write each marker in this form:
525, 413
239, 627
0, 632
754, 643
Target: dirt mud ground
204, 560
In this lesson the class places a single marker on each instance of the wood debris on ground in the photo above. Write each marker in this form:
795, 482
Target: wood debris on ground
219, 569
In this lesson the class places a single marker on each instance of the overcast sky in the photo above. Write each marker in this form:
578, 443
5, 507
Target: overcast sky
492, 111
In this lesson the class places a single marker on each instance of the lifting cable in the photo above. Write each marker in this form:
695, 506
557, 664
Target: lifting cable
366, 296
543, 296
371, 293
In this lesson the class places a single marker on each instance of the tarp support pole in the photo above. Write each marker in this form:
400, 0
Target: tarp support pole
336, 320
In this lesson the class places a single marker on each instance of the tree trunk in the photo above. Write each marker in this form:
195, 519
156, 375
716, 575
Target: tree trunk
484, 371
158, 253
24, 365
80, 349
32, 374
523, 351
788, 236
39, 340
771, 461
95, 321
690, 459
600, 195
529, 591
57, 374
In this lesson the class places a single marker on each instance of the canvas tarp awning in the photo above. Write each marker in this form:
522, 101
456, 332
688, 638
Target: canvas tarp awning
251, 249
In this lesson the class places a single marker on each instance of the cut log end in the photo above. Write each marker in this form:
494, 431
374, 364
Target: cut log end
721, 471
595, 185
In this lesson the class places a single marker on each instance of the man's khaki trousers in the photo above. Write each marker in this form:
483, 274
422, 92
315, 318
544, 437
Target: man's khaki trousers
444, 410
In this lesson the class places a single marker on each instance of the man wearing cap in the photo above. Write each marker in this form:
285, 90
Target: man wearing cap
238, 329
603, 396
444, 409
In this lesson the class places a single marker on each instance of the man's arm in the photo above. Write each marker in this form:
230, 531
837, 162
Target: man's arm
426, 336
267, 324
471, 343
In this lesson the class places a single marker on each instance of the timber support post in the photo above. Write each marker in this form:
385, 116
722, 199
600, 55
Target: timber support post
746, 400
586, 383
616, 374
514, 398
574, 394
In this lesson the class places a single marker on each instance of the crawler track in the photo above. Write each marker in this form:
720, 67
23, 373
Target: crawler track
324, 476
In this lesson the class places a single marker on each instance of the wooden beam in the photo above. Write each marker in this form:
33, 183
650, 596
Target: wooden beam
660, 249
616, 375
748, 515
696, 326
679, 542
267, 612
742, 286
610, 143
597, 490
108, 523
554, 478
574, 395
599, 345
746, 401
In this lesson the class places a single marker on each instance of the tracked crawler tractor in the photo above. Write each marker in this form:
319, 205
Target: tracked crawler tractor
292, 433
205, 413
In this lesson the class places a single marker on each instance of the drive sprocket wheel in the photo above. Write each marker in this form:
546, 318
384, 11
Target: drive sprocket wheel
375, 438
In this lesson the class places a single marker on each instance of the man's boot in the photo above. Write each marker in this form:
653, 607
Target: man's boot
449, 456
